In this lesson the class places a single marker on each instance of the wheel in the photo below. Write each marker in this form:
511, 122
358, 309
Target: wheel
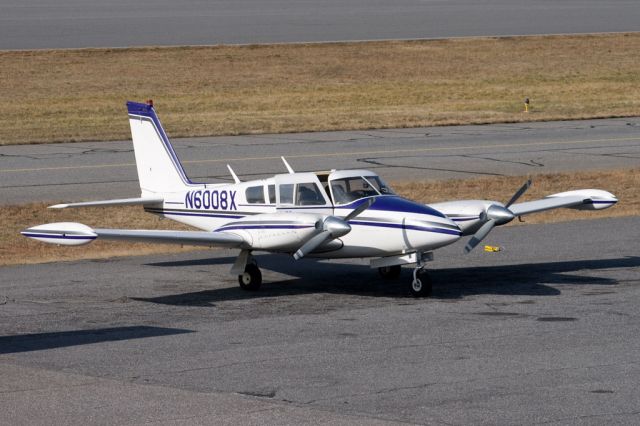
421, 285
390, 272
251, 278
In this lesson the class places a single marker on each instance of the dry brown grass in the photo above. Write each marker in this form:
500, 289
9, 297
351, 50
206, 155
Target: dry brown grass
15, 249
71, 95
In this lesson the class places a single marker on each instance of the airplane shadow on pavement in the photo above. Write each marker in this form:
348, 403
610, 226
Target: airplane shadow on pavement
62, 339
312, 276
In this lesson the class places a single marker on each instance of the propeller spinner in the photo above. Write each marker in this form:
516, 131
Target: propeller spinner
332, 227
496, 215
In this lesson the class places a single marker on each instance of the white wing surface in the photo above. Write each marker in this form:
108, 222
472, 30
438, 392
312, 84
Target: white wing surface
199, 238
69, 233
583, 199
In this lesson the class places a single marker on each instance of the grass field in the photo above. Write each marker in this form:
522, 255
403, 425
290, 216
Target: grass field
73, 95
15, 249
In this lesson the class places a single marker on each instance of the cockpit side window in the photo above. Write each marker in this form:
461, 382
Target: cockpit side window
349, 189
340, 191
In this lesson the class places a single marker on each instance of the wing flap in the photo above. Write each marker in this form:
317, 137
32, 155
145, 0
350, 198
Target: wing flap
201, 238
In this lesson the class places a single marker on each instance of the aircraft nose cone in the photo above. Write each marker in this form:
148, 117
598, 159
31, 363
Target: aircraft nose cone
500, 214
337, 227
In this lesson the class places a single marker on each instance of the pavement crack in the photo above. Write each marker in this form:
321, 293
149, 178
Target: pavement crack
379, 163
378, 392
530, 163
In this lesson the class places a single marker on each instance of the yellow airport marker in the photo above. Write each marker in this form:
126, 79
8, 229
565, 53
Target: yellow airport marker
492, 249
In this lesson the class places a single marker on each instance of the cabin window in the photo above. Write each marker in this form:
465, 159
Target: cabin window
272, 194
255, 195
308, 194
286, 193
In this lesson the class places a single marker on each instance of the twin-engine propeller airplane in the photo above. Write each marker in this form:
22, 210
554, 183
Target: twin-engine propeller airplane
330, 215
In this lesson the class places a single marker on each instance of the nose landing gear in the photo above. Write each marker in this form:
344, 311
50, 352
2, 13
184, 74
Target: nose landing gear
389, 268
421, 286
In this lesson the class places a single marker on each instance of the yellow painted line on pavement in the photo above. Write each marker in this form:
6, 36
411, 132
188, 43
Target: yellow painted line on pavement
334, 154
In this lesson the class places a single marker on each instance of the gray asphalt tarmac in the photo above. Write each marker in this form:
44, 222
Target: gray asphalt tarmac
103, 170
115, 23
543, 332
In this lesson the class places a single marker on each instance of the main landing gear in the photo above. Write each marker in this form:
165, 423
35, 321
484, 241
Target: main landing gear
251, 278
390, 273
249, 275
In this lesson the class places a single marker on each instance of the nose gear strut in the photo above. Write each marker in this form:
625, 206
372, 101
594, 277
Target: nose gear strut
421, 286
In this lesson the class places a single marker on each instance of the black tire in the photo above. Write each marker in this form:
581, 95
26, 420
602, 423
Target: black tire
390, 273
423, 286
251, 279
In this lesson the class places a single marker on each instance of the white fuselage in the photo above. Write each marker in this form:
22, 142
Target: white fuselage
392, 225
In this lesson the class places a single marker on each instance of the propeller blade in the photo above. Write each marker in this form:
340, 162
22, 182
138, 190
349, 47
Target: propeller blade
332, 227
480, 235
362, 207
313, 243
519, 193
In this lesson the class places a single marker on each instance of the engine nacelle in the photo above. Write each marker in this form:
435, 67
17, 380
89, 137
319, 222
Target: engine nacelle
469, 215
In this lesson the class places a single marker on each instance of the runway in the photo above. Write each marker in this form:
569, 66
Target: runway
112, 23
104, 170
543, 332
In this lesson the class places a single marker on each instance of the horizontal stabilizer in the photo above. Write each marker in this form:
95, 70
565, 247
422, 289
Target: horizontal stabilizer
111, 203
70, 233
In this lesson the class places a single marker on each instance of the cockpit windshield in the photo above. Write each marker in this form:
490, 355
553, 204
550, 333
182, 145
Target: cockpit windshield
348, 189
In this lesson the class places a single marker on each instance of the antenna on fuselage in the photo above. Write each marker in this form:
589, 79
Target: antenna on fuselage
233, 174
289, 169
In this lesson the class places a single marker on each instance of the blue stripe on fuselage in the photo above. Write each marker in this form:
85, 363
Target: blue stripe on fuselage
406, 226
394, 203
240, 226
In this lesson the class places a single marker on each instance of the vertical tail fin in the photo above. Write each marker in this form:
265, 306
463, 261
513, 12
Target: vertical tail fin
159, 169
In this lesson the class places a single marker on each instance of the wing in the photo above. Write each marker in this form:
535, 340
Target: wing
478, 217
70, 233
198, 238
584, 199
